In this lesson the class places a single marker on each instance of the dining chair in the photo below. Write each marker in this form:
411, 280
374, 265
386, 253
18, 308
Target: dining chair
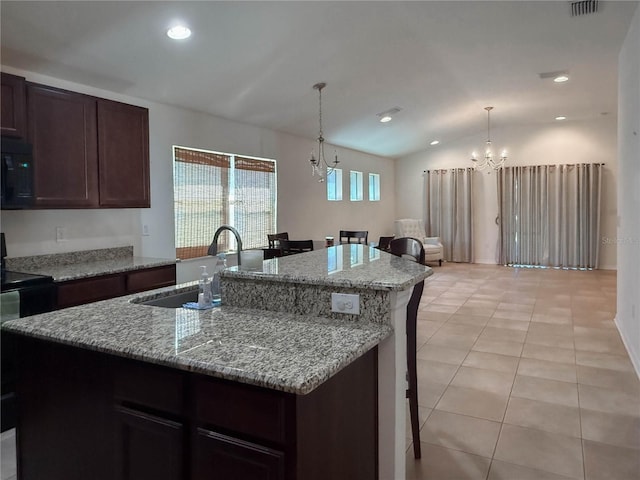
384, 242
290, 247
413, 248
359, 235
274, 238
269, 253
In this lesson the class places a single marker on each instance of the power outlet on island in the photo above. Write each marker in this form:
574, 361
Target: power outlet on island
345, 303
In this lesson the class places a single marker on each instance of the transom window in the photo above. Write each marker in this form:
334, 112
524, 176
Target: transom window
374, 187
355, 186
334, 185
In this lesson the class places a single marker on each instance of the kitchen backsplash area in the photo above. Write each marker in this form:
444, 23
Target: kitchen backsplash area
69, 258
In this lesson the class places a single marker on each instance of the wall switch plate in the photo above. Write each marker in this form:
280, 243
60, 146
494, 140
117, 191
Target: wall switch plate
345, 303
145, 230
61, 234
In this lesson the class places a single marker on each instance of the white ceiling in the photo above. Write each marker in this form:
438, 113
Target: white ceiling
256, 62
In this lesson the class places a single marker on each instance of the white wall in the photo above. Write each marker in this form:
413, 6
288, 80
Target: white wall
628, 238
303, 210
568, 142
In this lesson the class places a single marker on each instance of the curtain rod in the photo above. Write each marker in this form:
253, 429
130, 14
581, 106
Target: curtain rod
573, 164
550, 165
446, 169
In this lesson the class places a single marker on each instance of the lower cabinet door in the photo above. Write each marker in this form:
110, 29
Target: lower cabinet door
218, 456
148, 447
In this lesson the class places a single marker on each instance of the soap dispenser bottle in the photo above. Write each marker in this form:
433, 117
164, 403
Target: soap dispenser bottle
204, 289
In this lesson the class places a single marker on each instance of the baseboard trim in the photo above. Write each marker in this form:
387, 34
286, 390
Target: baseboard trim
485, 261
633, 355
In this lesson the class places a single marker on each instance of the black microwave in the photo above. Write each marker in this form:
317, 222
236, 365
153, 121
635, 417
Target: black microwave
17, 174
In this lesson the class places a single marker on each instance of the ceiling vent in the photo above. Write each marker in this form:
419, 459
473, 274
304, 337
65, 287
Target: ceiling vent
584, 7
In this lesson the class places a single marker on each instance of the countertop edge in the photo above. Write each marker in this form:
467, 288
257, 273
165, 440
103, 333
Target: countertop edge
212, 370
97, 268
340, 283
97, 273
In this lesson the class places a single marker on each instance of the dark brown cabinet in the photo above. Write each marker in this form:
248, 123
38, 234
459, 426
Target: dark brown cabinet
123, 154
62, 129
14, 106
148, 447
170, 424
150, 278
102, 287
88, 152
221, 456
69, 441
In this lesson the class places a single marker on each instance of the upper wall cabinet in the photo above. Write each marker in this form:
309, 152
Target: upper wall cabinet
63, 131
123, 154
88, 152
13, 122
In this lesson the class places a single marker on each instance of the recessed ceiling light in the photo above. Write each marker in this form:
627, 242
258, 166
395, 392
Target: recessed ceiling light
387, 115
434, 142
558, 76
179, 32
561, 117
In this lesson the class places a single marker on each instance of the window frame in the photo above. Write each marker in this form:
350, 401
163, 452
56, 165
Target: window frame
374, 193
359, 193
334, 179
227, 195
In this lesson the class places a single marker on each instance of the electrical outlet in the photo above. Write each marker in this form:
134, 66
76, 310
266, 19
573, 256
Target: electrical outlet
145, 230
345, 303
61, 234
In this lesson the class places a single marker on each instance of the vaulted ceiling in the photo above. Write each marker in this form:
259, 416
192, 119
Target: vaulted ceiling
441, 63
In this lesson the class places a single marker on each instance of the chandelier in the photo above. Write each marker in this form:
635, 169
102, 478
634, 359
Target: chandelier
488, 160
319, 166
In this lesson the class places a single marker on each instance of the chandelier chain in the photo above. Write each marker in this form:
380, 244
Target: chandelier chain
319, 166
489, 124
320, 138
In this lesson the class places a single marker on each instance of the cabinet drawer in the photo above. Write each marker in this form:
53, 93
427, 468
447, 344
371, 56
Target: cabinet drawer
151, 278
220, 456
242, 409
155, 388
88, 290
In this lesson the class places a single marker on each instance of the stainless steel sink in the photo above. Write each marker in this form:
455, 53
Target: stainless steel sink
175, 300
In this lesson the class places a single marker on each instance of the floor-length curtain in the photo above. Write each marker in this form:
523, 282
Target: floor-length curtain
550, 215
449, 211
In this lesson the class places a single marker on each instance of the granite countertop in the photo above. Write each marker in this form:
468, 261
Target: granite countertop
76, 271
281, 351
90, 263
352, 266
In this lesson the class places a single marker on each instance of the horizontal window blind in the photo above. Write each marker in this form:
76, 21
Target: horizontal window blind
212, 189
254, 214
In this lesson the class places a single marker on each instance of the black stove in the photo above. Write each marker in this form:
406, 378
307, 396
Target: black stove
15, 280
35, 294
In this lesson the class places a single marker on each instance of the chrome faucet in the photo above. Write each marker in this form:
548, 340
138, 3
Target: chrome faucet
213, 248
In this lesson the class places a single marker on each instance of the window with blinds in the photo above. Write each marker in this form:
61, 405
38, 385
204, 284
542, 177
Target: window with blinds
213, 189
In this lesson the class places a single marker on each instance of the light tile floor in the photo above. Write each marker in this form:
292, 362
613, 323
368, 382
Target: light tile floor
522, 375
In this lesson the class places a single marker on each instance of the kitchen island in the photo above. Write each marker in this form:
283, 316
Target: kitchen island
125, 390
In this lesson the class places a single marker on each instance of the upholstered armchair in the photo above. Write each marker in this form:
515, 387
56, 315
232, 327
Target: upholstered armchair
412, 227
